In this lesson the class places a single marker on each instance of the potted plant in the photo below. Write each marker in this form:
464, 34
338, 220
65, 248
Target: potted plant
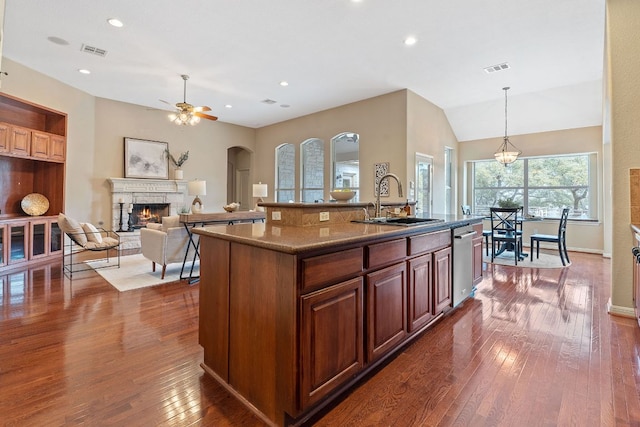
508, 203
178, 163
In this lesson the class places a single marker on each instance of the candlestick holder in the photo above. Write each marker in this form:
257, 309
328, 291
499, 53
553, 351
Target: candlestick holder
121, 205
130, 222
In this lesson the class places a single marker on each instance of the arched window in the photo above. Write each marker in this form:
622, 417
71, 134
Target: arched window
312, 170
346, 165
285, 173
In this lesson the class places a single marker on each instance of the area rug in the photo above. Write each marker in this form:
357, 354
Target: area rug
546, 260
135, 272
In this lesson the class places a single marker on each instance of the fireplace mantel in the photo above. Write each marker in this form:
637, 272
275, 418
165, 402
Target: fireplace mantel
133, 185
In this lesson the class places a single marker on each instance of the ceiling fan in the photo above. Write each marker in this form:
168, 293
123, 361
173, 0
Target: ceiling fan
187, 114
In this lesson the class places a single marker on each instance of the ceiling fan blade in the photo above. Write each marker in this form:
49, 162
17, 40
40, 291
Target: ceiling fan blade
162, 100
206, 116
201, 109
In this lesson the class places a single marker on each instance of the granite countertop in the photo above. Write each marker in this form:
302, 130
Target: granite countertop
291, 239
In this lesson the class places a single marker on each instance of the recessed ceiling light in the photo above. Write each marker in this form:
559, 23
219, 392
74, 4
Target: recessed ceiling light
228, 106
84, 71
285, 105
410, 41
115, 22
284, 83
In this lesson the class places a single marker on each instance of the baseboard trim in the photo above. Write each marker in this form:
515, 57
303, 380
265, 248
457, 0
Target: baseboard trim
621, 311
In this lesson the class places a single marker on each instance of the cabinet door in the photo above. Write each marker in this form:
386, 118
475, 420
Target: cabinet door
40, 145
55, 237
39, 247
19, 141
420, 294
18, 233
332, 339
442, 279
3, 245
4, 137
386, 309
477, 260
57, 148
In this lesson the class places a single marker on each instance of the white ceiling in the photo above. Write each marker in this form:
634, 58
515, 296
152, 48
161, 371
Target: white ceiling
331, 52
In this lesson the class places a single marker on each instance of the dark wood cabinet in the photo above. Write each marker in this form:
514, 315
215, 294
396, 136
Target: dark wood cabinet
289, 330
332, 338
386, 310
442, 279
420, 295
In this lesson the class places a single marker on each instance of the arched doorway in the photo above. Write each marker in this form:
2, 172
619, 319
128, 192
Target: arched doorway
239, 177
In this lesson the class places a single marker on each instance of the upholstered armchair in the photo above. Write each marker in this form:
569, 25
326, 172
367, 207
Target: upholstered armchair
166, 243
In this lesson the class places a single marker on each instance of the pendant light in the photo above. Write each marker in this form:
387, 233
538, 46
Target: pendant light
507, 153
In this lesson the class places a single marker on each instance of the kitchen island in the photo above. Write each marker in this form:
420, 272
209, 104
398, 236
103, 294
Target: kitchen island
291, 316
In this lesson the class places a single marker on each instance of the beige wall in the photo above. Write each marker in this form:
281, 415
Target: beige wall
622, 94
583, 236
429, 132
392, 128
95, 141
379, 121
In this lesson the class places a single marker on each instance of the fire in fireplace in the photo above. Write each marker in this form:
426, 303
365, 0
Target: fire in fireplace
144, 213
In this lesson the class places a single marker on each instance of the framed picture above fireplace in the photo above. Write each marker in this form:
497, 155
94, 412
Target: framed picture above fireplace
145, 159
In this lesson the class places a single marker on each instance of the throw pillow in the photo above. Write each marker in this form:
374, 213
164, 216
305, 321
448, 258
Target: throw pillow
73, 229
93, 235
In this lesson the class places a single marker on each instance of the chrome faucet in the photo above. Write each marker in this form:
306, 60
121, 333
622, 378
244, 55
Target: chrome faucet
382, 178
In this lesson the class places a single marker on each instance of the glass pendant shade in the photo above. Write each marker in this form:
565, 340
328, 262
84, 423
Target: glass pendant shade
507, 152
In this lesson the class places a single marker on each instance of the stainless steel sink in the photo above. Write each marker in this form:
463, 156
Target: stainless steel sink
402, 222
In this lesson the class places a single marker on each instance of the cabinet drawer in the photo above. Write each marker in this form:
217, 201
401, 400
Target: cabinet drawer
324, 269
386, 253
429, 242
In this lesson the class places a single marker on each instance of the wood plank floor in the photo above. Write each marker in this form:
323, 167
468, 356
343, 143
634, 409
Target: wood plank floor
533, 348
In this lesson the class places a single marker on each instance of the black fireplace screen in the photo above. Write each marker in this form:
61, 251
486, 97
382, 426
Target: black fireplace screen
144, 213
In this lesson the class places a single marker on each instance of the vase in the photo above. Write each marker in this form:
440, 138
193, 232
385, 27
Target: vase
178, 174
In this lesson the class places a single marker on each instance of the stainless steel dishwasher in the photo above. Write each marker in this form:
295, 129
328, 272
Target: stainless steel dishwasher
462, 263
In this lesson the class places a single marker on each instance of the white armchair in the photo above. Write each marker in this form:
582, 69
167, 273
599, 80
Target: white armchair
166, 243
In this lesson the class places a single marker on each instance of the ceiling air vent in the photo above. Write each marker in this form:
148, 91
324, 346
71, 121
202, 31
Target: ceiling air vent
268, 101
93, 50
499, 67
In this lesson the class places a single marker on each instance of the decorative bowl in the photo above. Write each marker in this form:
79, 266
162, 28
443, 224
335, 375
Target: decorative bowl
343, 196
34, 204
231, 207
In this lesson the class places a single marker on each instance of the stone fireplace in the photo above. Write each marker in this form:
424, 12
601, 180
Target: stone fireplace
139, 194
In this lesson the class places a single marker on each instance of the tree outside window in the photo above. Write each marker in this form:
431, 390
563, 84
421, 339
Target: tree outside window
543, 185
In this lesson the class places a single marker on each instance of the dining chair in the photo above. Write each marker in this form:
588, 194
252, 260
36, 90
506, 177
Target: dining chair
504, 232
560, 239
466, 210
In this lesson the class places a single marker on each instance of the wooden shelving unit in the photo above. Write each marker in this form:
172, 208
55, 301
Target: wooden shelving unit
33, 143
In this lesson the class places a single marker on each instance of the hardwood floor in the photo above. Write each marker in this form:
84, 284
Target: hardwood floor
534, 347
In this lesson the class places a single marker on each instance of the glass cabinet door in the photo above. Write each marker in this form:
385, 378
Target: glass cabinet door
39, 239
3, 245
55, 235
18, 242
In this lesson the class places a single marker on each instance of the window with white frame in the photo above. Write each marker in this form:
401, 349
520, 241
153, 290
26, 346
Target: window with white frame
312, 173
448, 180
285, 173
543, 185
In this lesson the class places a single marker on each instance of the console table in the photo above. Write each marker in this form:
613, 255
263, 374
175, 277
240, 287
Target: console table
207, 218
